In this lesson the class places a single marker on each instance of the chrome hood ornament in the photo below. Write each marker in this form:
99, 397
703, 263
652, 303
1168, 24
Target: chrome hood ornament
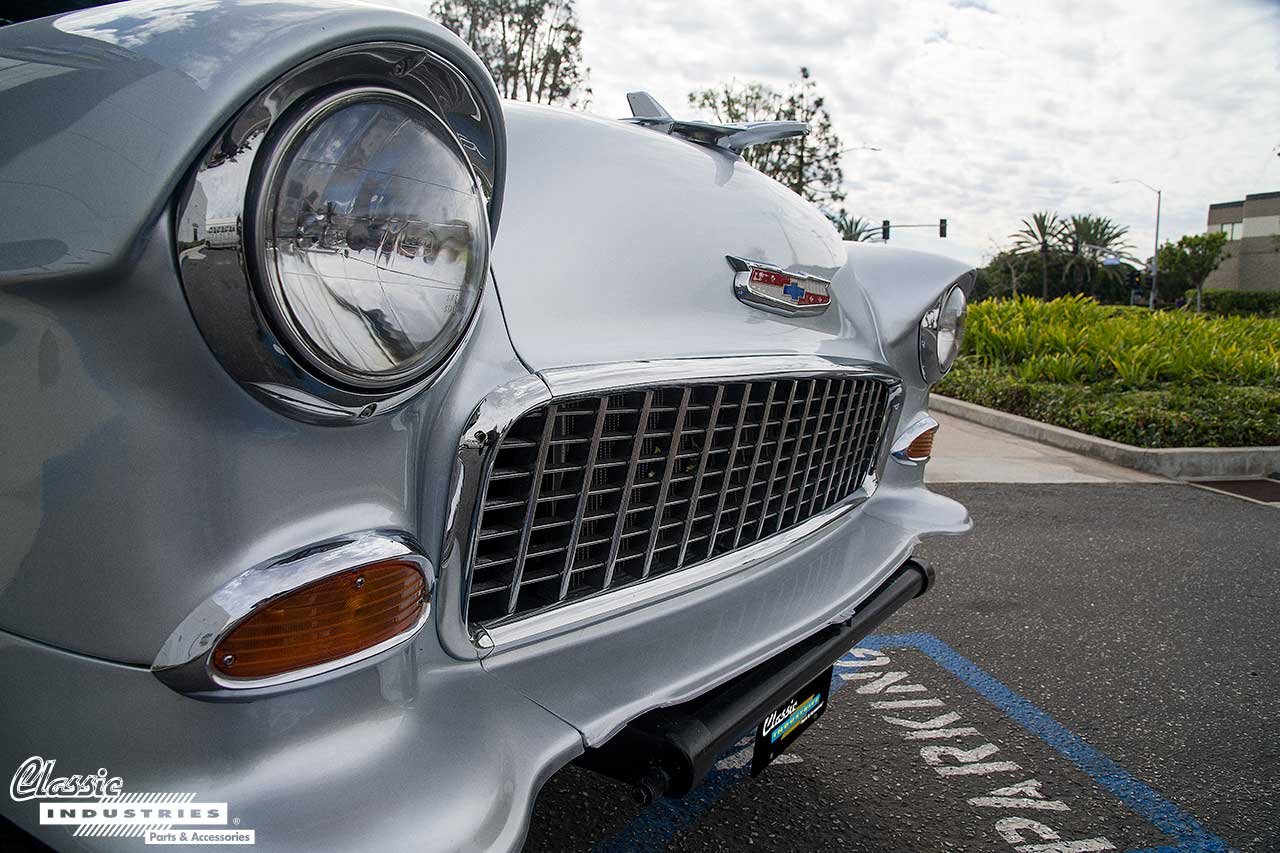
778, 291
734, 136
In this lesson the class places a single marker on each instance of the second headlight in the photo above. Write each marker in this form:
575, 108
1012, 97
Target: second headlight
942, 333
371, 238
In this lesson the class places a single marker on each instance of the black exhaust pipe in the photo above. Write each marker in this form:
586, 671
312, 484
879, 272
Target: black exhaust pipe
668, 751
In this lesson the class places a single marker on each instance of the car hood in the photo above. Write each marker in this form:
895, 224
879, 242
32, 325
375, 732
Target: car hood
613, 245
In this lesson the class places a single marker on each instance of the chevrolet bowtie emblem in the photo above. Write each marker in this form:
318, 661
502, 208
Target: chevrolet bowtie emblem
770, 288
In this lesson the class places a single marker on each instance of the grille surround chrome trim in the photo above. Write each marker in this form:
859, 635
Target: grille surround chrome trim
494, 416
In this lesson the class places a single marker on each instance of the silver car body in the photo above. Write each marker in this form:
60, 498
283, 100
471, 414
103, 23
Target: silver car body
139, 478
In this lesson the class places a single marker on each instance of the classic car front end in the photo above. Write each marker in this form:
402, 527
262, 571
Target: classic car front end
375, 448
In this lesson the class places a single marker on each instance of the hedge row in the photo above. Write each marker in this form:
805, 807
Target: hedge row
1170, 415
1075, 340
1147, 378
1260, 302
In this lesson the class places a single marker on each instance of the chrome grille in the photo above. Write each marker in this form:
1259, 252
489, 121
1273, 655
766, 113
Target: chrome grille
592, 493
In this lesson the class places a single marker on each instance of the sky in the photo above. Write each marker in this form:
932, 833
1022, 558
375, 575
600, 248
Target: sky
987, 110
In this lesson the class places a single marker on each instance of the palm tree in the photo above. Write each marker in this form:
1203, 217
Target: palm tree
854, 228
1041, 233
1089, 240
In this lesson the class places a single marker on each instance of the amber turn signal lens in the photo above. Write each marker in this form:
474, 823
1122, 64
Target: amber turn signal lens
922, 447
324, 621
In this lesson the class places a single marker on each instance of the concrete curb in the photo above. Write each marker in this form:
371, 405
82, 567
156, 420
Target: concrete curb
1183, 463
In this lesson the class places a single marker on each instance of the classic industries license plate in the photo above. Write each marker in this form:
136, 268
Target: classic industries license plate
779, 729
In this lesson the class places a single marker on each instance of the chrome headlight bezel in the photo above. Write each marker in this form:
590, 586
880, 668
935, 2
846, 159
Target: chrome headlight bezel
278, 155
218, 255
941, 333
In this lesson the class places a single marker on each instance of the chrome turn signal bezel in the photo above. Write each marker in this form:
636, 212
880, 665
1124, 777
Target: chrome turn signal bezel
184, 661
901, 449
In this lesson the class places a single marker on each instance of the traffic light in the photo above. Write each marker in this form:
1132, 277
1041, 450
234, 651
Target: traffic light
1134, 277
942, 227
884, 230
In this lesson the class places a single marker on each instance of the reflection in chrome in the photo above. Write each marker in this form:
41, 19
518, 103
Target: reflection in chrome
373, 235
347, 263
183, 662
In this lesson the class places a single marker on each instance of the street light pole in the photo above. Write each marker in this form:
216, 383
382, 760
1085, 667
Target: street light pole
1155, 258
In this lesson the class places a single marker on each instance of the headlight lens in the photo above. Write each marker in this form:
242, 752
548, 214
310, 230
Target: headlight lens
942, 333
372, 237
951, 327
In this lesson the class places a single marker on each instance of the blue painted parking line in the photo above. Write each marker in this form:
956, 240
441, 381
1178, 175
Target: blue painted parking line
658, 824
1162, 814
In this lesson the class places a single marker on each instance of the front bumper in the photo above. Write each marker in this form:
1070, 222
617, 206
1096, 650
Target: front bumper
669, 750
423, 751
404, 756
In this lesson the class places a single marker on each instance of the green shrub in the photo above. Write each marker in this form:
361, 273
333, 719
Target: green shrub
1260, 302
1172, 415
1074, 339
1154, 379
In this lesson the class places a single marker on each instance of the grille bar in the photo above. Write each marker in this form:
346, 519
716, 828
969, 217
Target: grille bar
837, 467
637, 445
526, 530
726, 476
755, 460
813, 446
795, 457
702, 471
777, 458
591, 493
672, 454
584, 497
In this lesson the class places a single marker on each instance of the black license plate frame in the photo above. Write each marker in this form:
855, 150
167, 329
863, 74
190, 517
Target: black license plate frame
782, 726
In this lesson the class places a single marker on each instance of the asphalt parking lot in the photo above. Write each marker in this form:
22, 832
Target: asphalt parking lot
1095, 670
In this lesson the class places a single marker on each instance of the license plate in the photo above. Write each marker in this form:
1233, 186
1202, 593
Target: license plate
780, 727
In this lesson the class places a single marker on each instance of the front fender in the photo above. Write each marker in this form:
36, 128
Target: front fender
884, 291
122, 99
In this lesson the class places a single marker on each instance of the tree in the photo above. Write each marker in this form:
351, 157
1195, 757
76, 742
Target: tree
1014, 264
1076, 248
1041, 233
808, 165
1187, 263
1089, 240
854, 228
533, 48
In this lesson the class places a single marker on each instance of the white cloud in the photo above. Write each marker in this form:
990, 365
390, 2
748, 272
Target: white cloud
988, 109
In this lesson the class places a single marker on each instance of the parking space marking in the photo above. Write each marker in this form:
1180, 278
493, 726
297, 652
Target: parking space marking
892, 692
1192, 837
864, 664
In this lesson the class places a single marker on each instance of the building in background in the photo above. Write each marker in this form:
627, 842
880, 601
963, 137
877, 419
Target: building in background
1252, 254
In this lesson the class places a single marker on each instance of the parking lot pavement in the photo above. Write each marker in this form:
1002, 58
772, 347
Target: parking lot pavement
1095, 670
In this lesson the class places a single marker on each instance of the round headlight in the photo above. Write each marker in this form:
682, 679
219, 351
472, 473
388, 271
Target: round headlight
942, 333
372, 239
